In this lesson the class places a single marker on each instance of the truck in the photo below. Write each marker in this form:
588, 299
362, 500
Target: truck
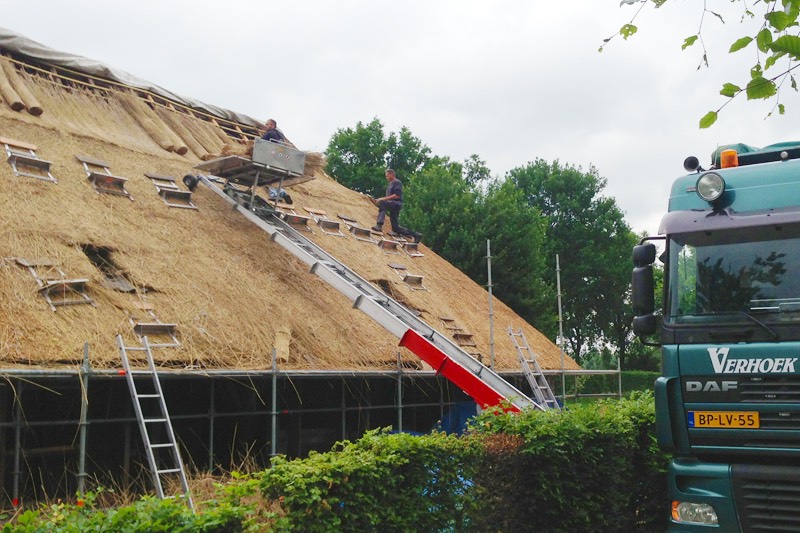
728, 398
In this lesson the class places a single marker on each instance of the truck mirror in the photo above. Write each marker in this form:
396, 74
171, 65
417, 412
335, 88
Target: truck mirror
644, 254
645, 325
643, 290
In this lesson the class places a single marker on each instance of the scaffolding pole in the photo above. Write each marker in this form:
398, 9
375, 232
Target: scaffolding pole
17, 444
274, 429
560, 333
211, 418
84, 376
491, 311
399, 393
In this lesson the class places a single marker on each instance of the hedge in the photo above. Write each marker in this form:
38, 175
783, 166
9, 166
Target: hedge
589, 468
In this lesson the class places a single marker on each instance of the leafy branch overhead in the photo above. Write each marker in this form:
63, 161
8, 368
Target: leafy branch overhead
773, 39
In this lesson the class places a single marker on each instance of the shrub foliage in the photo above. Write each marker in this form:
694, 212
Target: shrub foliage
594, 467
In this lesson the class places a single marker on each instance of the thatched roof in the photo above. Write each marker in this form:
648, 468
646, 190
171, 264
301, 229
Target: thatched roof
233, 294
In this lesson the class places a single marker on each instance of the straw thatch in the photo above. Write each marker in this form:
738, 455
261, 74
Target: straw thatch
232, 292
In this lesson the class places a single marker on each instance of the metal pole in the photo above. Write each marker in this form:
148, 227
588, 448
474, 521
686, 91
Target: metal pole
343, 407
253, 191
399, 394
84, 373
211, 416
560, 333
619, 378
274, 446
491, 311
17, 444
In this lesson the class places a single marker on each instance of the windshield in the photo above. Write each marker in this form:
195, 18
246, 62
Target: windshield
734, 276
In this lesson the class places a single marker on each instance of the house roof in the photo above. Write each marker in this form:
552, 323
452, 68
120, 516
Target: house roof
231, 293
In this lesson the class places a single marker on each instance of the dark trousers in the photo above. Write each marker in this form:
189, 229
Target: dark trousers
393, 207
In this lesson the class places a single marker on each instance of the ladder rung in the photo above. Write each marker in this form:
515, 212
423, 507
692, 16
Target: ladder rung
168, 471
148, 396
154, 420
164, 445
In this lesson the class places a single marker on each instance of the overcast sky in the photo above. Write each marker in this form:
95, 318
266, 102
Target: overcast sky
511, 81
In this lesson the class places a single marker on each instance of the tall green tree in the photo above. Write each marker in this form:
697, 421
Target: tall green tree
358, 157
593, 241
457, 217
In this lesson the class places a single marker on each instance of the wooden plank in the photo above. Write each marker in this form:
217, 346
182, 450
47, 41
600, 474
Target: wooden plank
92, 161
313, 211
18, 144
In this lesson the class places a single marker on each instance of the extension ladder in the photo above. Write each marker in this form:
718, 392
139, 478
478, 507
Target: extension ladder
532, 370
480, 382
160, 443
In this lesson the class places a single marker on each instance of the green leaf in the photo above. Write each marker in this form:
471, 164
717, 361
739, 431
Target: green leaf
627, 30
730, 90
789, 44
756, 71
689, 41
764, 39
718, 16
792, 8
781, 109
778, 20
708, 120
760, 88
794, 82
771, 60
739, 44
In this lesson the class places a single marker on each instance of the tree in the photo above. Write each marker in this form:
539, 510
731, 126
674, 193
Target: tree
774, 40
359, 157
457, 218
589, 233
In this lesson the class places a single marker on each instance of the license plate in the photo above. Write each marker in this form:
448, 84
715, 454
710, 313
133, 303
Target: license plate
723, 419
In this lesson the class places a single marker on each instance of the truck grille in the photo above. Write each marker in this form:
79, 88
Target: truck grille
770, 389
767, 497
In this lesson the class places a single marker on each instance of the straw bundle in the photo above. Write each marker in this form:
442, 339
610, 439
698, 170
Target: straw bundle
201, 130
34, 108
175, 121
7, 91
152, 124
315, 162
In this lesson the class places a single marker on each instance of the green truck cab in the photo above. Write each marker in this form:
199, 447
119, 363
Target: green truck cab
728, 399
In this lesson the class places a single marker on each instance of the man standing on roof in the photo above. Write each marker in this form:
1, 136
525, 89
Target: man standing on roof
272, 133
393, 202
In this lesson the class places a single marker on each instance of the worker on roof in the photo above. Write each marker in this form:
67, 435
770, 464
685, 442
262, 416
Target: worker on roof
272, 133
393, 202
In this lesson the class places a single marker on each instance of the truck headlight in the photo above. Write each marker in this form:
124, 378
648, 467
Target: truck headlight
694, 513
710, 186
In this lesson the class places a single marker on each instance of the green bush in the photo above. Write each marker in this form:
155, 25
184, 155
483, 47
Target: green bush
391, 482
593, 467
147, 515
590, 468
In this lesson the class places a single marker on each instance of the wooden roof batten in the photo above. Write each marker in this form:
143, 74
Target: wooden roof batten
60, 75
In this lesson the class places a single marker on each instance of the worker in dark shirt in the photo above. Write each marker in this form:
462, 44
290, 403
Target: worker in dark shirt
393, 202
272, 133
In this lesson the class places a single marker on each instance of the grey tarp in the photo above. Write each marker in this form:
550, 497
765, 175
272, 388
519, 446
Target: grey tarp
20, 45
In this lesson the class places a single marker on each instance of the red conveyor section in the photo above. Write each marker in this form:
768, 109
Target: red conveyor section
483, 394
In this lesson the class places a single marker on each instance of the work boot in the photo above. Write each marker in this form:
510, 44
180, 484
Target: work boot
417, 237
379, 229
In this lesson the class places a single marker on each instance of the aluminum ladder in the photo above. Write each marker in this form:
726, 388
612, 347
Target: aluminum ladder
160, 443
480, 382
532, 370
